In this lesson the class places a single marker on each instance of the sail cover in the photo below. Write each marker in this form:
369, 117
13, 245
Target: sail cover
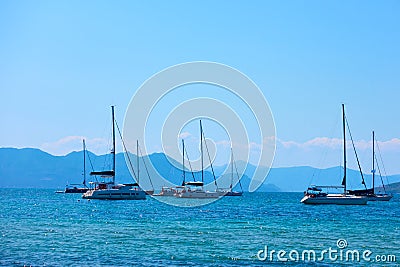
195, 183
362, 192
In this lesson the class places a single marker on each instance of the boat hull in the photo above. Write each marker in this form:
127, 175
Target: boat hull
334, 200
165, 194
234, 194
76, 190
198, 194
230, 194
380, 198
115, 194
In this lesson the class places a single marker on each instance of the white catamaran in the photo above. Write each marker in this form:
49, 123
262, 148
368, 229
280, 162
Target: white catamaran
315, 195
195, 189
109, 190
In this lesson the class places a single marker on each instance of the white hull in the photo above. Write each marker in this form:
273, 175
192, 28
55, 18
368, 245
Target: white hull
198, 194
336, 199
115, 194
169, 194
165, 194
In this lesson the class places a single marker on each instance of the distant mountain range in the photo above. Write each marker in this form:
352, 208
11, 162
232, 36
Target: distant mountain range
33, 168
391, 188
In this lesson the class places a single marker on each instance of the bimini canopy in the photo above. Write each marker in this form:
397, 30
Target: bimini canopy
194, 183
103, 173
134, 184
361, 192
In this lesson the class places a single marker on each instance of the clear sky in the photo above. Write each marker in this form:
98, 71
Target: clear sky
63, 63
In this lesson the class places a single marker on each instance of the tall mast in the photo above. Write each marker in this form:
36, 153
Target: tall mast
231, 167
137, 159
183, 162
344, 149
373, 162
201, 150
84, 163
113, 136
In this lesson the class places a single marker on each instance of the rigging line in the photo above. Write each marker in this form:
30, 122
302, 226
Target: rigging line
183, 164
107, 155
209, 158
231, 169
237, 173
90, 160
91, 164
380, 174
127, 152
383, 165
145, 166
355, 152
190, 165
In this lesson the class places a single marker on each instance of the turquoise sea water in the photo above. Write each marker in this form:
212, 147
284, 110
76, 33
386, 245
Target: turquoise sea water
41, 228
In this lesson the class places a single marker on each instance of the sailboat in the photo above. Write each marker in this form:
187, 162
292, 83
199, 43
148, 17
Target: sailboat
370, 192
167, 191
315, 195
77, 188
228, 191
109, 189
195, 189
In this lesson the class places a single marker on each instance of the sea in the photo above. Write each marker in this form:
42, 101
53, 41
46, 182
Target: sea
41, 228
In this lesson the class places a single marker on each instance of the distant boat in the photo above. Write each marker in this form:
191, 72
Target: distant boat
77, 188
233, 194
74, 188
370, 192
195, 189
109, 190
228, 191
166, 192
174, 191
315, 195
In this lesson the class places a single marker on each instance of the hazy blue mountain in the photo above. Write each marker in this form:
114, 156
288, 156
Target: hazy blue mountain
390, 188
34, 168
30, 167
297, 179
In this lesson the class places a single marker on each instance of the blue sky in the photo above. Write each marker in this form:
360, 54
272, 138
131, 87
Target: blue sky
63, 63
